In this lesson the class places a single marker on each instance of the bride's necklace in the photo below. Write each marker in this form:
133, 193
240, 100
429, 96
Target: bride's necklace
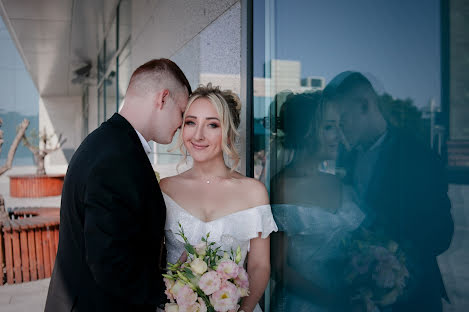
213, 179
209, 180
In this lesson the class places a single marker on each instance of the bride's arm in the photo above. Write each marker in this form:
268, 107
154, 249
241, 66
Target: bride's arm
258, 270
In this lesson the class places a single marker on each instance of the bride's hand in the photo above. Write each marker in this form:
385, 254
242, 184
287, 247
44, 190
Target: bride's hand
183, 257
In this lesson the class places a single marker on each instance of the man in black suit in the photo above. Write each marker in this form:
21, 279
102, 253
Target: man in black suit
112, 212
401, 186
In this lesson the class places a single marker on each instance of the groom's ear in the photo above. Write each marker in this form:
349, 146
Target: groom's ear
162, 98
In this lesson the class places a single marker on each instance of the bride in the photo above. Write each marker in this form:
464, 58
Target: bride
212, 197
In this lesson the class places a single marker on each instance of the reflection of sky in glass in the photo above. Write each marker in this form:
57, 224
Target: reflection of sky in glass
16, 87
398, 42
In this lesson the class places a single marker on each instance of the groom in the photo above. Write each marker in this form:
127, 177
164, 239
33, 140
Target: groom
112, 212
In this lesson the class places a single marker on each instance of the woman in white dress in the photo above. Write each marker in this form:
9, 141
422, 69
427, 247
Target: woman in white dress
316, 217
212, 197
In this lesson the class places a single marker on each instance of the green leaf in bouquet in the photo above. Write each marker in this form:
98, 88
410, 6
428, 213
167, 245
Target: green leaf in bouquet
238, 255
171, 277
182, 277
173, 267
181, 233
205, 298
190, 249
189, 273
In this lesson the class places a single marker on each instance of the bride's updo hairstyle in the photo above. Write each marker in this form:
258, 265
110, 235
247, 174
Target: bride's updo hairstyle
228, 106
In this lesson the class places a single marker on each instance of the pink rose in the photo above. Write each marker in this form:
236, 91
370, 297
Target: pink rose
242, 280
191, 308
226, 298
227, 269
196, 307
186, 297
235, 309
202, 305
169, 284
210, 282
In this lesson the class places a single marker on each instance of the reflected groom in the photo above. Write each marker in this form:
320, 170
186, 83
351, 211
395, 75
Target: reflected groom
401, 186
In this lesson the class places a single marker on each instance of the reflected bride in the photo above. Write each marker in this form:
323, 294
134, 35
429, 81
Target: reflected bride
315, 216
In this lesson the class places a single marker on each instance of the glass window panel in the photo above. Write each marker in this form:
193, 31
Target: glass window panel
100, 105
85, 111
124, 21
111, 92
124, 73
111, 42
350, 131
101, 63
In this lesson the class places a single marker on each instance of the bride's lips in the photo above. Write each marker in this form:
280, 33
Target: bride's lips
198, 146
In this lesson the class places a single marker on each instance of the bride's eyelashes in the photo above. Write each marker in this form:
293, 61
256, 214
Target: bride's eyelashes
212, 125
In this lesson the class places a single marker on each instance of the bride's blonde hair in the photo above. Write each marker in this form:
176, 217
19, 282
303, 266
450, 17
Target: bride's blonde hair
228, 106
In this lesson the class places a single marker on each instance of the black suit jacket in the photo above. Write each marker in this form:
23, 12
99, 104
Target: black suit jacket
407, 196
111, 226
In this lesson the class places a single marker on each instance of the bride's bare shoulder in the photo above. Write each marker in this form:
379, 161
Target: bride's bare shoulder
253, 191
168, 184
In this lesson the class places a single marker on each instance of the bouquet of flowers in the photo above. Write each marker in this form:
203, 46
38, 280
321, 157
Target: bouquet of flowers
209, 280
376, 273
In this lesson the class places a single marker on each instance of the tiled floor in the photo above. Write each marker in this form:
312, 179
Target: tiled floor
30, 297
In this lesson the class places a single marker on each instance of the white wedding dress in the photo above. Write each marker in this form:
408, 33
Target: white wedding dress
229, 232
315, 239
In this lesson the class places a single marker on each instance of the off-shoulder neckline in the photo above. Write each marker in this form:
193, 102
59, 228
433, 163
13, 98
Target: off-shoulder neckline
217, 219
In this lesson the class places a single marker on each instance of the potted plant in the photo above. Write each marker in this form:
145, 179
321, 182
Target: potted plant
39, 184
20, 131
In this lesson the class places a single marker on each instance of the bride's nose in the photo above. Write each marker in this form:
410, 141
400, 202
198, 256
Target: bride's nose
199, 133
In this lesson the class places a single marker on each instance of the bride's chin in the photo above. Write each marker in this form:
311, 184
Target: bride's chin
203, 158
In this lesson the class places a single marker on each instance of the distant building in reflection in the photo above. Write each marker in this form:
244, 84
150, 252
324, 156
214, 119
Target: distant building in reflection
282, 75
314, 83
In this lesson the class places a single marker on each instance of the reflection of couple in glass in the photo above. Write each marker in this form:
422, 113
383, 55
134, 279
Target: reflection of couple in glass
394, 191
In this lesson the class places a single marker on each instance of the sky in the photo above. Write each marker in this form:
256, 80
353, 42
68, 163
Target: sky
16, 87
397, 42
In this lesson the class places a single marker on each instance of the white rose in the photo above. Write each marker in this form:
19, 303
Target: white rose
171, 307
199, 266
200, 249
244, 292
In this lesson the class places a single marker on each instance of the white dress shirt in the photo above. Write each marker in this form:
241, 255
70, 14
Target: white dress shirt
145, 144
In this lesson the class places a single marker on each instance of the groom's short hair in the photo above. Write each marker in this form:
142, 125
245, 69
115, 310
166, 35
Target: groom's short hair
353, 86
158, 74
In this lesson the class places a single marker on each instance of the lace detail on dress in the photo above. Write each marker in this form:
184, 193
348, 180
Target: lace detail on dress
230, 231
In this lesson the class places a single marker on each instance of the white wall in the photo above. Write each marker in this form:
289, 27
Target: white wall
161, 28
61, 115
